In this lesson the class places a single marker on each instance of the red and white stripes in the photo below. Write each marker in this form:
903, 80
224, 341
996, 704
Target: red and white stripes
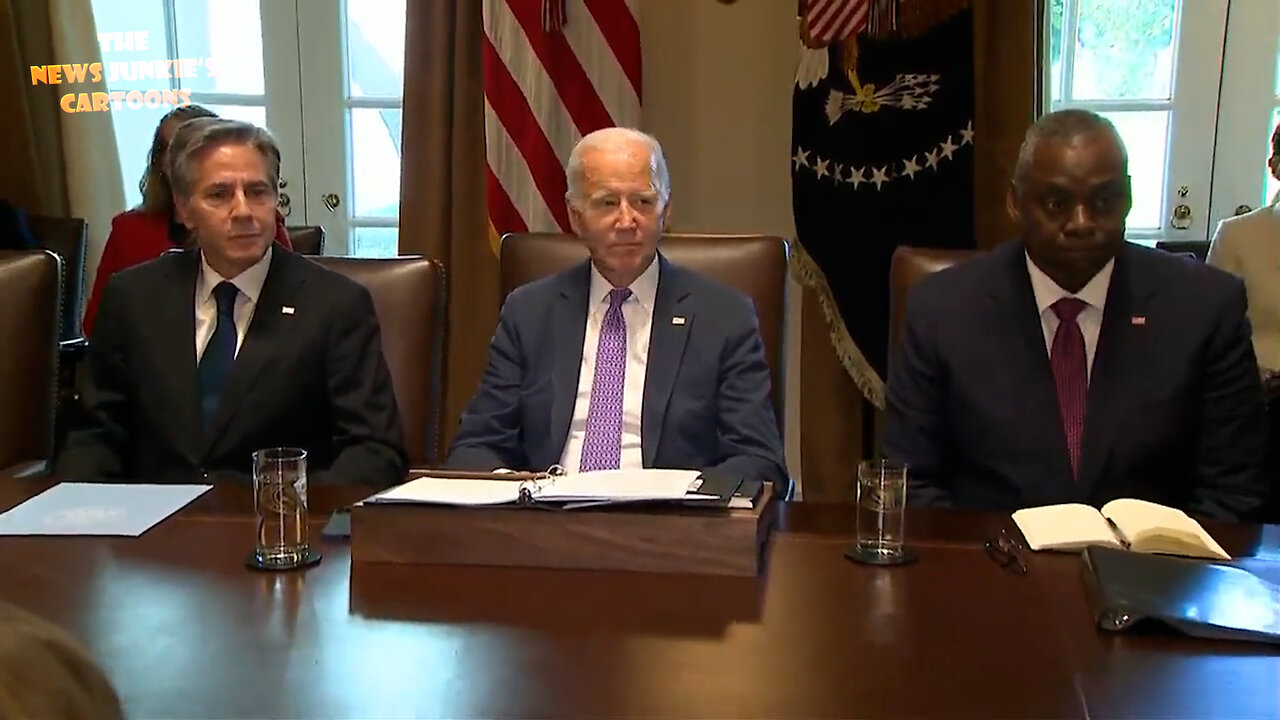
832, 20
554, 70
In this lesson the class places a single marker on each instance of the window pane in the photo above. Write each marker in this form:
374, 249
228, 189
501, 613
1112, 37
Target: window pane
225, 38
375, 48
1124, 49
1145, 137
375, 151
1056, 14
256, 114
375, 241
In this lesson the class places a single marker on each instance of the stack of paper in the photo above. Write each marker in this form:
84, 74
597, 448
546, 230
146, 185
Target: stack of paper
98, 509
601, 486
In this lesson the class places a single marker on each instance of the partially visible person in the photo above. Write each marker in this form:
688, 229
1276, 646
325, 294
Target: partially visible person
45, 673
1071, 366
15, 233
202, 357
1249, 247
150, 229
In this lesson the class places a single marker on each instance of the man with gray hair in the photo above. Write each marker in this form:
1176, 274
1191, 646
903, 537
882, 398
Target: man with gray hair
1073, 367
626, 360
202, 357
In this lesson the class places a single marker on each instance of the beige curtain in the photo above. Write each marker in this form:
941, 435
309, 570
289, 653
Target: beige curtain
30, 129
443, 187
95, 187
833, 412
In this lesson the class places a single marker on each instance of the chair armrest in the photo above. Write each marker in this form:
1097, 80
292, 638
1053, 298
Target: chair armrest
73, 348
29, 469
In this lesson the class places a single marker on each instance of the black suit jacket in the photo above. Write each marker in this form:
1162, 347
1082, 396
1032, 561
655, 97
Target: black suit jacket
1174, 411
706, 393
313, 378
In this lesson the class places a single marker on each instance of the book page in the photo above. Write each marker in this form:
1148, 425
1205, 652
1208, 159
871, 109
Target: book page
1071, 526
620, 485
1150, 527
451, 491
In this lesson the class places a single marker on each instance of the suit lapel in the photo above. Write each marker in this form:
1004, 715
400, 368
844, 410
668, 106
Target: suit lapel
1113, 359
1039, 397
569, 337
265, 332
175, 321
666, 348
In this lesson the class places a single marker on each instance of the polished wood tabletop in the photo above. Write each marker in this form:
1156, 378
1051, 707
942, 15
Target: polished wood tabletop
184, 630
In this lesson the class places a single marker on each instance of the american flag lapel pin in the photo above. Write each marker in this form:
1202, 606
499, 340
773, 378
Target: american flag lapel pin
1138, 320
677, 320
286, 310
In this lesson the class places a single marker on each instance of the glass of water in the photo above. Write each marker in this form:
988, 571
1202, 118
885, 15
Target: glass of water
280, 507
882, 504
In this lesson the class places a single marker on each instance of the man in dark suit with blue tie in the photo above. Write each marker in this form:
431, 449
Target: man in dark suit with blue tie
626, 360
1071, 366
200, 358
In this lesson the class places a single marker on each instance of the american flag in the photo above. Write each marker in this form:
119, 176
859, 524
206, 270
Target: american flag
554, 70
833, 20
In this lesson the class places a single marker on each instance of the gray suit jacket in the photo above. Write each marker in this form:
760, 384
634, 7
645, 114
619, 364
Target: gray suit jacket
706, 393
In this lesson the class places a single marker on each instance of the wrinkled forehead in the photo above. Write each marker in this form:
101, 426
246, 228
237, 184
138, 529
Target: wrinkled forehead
1080, 162
628, 165
232, 163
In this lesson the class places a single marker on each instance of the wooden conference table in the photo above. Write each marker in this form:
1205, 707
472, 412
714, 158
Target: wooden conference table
185, 631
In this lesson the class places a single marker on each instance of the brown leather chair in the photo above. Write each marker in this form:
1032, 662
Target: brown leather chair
31, 295
409, 297
306, 239
69, 238
753, 264
909, 266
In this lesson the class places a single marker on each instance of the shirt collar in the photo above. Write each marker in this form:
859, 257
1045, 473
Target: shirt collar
1048, 292
248, 282
644, 289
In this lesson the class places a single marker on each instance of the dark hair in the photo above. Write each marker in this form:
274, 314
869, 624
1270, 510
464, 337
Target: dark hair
1063, 126
44, 673
196, 137
157, 194
1275, 142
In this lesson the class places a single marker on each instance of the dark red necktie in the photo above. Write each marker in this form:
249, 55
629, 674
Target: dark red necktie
1070, 374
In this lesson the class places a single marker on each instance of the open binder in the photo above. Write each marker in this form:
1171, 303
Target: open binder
555, 489
1195, 597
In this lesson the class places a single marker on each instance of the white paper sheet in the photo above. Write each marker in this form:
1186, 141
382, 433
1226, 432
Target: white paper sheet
98, 509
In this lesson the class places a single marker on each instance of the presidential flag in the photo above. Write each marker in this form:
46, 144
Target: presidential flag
554, 70
882, 156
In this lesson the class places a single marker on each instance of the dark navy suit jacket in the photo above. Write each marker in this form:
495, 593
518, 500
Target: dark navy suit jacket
706, 394
1174, 411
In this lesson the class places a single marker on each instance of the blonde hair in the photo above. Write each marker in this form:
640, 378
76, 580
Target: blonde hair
157, 194
44, 673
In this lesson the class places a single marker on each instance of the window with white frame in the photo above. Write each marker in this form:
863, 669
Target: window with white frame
1193, 86
325, 76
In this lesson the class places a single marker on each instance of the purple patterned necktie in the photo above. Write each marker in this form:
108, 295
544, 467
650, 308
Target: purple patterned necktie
602, 448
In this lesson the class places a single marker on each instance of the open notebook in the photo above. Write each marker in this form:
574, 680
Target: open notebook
1125, 523
573, 490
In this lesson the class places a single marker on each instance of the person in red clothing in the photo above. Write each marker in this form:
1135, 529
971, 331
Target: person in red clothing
147, 231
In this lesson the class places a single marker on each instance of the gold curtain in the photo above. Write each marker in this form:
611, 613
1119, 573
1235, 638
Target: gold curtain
30, 135
833, 412
443, 184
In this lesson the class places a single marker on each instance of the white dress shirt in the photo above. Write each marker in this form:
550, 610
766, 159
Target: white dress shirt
1094, 294
637, 312
249, 283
